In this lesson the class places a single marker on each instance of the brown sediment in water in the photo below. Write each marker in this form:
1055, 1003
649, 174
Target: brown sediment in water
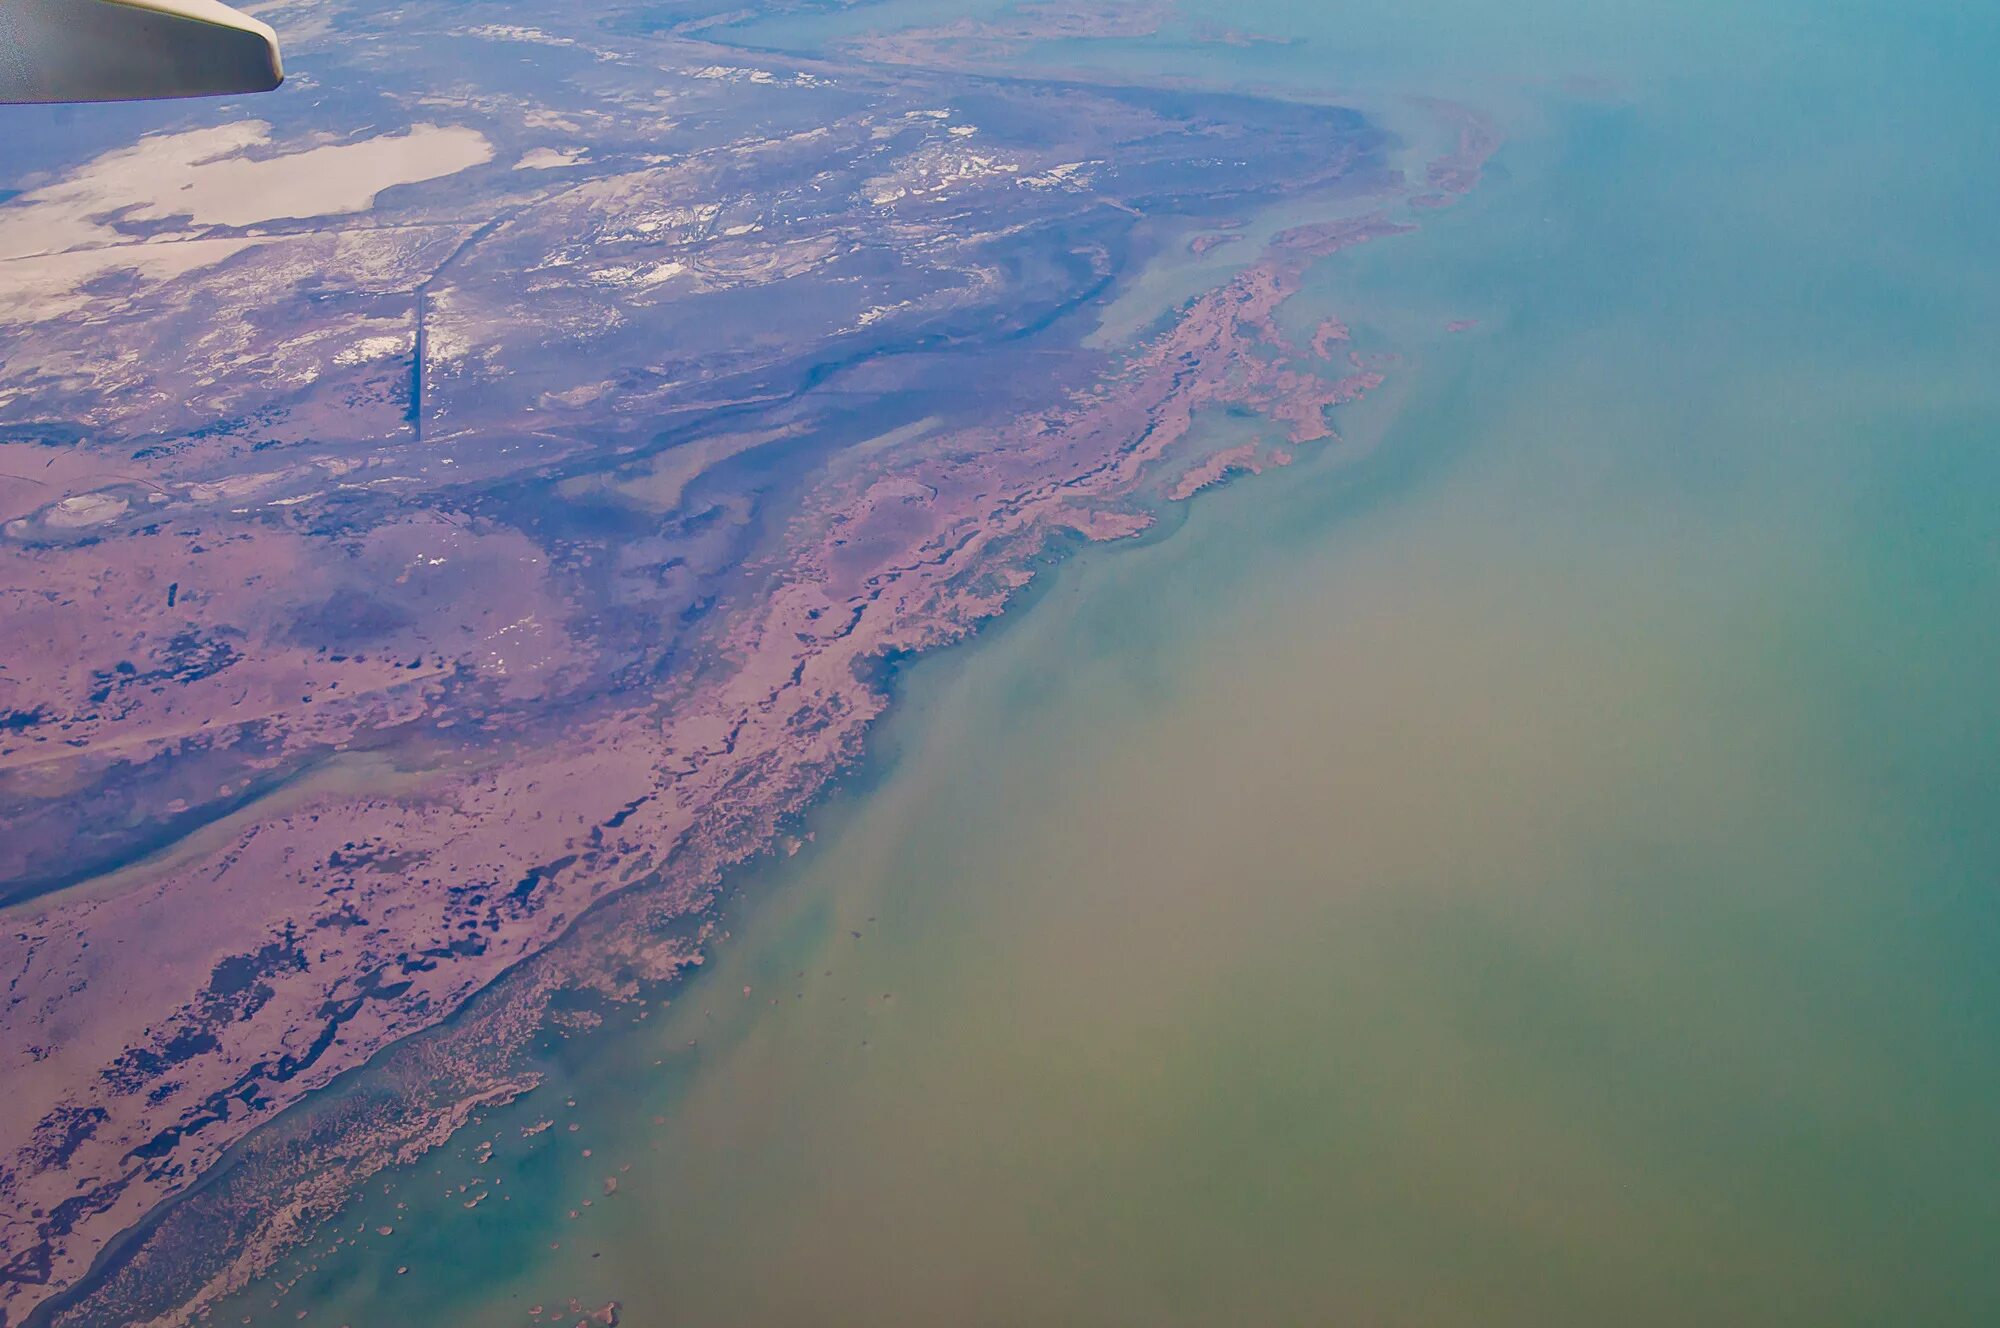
1457, 173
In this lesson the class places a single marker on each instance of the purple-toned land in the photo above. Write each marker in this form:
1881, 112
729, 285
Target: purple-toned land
431, 558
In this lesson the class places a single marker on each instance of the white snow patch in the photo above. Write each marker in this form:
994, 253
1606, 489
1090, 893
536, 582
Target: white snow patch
375, 348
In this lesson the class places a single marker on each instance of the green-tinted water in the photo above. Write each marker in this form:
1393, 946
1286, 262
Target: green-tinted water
1540, 866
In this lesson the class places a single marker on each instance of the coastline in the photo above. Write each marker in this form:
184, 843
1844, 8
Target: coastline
1509, 801
488, 1029
1081, 464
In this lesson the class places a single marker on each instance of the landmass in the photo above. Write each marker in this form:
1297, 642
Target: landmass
433, 556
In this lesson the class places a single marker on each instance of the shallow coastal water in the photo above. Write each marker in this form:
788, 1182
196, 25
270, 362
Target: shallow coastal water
1534, 864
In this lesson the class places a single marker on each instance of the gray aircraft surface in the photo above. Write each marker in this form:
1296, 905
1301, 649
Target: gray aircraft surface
130, 50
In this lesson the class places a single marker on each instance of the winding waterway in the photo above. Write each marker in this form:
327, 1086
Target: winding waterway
1536, 863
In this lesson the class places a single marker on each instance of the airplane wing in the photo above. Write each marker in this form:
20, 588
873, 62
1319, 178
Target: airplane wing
127, 50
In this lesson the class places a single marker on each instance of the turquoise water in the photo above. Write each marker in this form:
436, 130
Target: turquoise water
1536, 864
